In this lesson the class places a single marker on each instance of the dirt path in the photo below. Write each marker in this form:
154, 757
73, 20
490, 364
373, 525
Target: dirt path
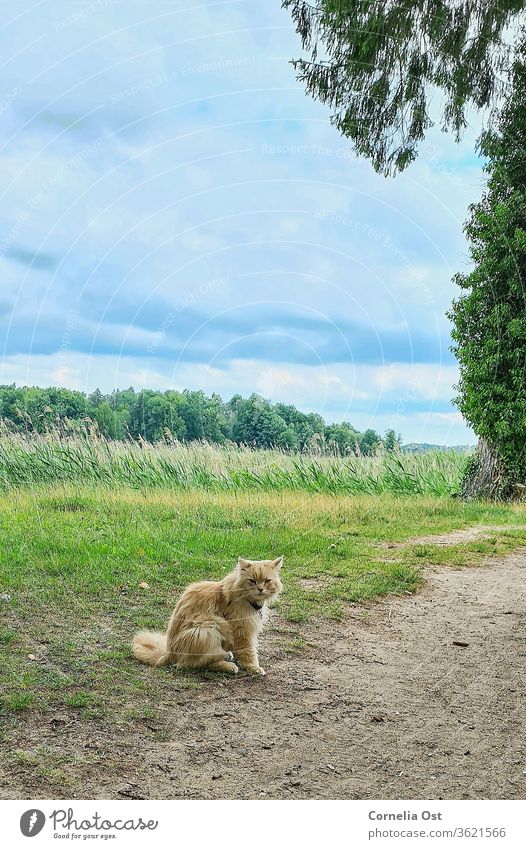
381, 706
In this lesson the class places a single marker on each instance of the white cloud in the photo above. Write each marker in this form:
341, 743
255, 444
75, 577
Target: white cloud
65, 376
416, 381
294, 385
180, 191
360, 395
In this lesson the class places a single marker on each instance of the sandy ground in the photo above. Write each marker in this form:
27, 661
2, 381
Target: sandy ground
383, 705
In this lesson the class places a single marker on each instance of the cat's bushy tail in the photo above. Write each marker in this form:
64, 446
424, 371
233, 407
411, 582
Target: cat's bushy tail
150, 647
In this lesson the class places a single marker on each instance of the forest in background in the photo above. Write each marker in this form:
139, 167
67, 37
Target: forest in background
185, 416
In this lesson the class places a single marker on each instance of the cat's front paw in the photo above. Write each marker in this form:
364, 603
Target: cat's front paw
256, 670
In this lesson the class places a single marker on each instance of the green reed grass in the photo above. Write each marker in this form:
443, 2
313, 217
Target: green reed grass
32, 460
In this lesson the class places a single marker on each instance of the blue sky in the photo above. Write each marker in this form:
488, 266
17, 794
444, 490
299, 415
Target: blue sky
177, 213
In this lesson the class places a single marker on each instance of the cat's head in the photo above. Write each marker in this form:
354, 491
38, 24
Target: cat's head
259, 579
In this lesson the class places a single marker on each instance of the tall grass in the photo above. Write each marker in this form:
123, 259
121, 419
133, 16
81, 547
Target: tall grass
45, 459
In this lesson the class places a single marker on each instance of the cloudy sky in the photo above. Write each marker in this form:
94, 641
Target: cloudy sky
177, 213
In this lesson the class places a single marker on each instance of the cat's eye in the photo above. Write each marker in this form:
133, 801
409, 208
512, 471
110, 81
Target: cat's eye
253, 581
267, 581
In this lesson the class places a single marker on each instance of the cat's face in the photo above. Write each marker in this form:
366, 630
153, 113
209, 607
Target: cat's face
259, 579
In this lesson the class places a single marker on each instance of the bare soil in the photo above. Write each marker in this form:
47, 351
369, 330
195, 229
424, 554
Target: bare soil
382, 705
459, 537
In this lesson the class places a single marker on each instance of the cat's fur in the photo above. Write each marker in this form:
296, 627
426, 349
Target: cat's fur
215, 622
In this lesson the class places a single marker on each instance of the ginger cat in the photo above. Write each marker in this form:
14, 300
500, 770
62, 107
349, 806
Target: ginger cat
216, 622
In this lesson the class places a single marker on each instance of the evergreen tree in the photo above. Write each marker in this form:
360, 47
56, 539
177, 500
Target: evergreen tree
377, 65
95, 398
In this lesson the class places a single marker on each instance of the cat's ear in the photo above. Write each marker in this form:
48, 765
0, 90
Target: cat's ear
278, 562
242, 563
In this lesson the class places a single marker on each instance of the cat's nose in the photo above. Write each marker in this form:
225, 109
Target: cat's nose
259, 588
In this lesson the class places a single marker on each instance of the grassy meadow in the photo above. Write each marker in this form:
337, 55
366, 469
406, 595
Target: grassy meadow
98, 538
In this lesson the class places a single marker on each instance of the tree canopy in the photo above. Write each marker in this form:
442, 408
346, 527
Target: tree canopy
377, 65
183, 416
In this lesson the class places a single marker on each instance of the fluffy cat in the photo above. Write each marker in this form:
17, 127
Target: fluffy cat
216, 622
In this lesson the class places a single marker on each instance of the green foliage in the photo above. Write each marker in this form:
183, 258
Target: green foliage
369, 442
392, 440
181, 416
109, 421
344, 438
376, 65
490, 316
258, 424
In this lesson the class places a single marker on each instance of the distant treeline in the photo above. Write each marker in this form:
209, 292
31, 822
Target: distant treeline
184, 416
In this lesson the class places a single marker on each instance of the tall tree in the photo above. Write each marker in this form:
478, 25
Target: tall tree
187, 415
392, 440
257, 424
376, 65
109, 421
490, 316
370, 441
